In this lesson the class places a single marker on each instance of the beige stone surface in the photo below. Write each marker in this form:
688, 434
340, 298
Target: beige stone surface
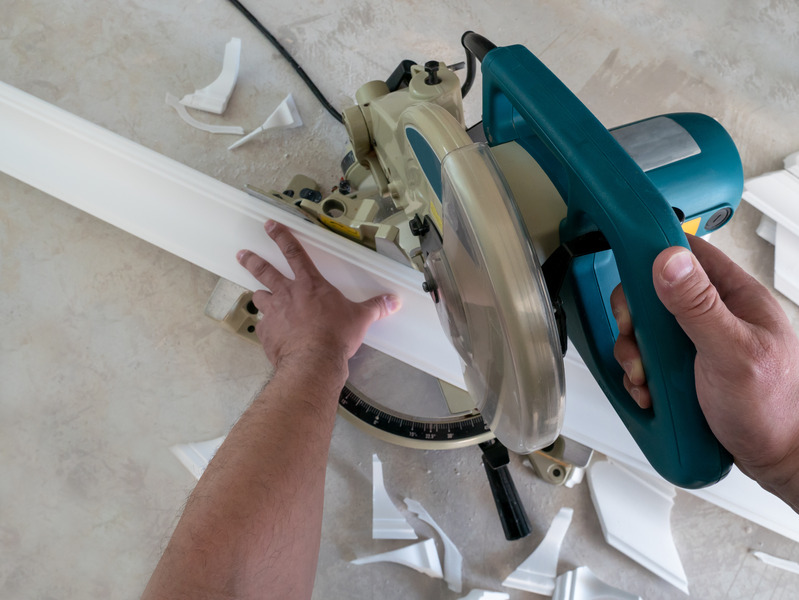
106, 358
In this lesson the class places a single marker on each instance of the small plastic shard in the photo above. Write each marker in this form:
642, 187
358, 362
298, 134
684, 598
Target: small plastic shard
214, 97
635, 510
537, 573
184, 114
285, 116
421, 556
196, 456
453, 560
388, 523
485, 595
582, 584
780, 563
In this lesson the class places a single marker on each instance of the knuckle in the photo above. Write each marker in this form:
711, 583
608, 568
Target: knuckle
617, 351
292, 249
260, 269
625, 349
260, 298
767, 361
700, 300
380, 307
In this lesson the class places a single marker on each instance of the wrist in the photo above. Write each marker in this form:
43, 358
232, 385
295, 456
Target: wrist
780, 479
325, 372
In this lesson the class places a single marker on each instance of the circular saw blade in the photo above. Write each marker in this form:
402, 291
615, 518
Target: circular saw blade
494, 305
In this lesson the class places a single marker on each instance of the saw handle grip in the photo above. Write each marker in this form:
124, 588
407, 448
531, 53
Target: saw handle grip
605, 190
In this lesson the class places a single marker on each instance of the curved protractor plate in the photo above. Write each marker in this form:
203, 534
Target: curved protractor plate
400, 404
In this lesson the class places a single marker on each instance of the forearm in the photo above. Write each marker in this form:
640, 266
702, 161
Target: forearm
253, 522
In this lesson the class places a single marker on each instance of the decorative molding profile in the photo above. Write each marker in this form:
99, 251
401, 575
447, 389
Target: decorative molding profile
205, 221
775, 194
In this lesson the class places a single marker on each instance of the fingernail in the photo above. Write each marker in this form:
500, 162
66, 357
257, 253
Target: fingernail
240, 255
393, 303
636, 372
636, 394
627, 367
678, 267
269, 226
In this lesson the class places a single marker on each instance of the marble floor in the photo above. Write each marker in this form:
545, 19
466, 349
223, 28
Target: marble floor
106, 357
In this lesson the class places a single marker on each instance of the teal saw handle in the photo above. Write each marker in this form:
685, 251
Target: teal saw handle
605, 190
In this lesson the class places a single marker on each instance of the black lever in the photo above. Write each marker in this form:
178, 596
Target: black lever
511, 511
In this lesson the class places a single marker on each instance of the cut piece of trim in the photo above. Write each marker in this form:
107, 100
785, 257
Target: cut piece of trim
187, 118
634, 511
205, 221
285, 116
388, 523
582, 584
780, 563
537, 573
195, 456
791, 164
421, 556
485, 595
213, 98
453, 560
775, 194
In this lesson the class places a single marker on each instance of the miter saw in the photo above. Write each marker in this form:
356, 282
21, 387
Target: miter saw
522, 227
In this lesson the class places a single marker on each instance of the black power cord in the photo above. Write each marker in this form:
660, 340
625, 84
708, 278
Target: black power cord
303, 75
474, 44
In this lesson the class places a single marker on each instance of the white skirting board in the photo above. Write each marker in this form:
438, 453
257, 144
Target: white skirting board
205, 222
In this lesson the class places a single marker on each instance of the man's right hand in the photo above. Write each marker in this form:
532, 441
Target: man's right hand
747, 361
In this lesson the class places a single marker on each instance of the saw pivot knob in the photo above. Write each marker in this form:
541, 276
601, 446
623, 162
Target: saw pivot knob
432, 67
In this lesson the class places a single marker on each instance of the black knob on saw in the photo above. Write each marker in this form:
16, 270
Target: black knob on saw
509, 506
432, 66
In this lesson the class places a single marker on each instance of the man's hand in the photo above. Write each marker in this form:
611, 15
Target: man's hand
251, 528
306, 318
747, 361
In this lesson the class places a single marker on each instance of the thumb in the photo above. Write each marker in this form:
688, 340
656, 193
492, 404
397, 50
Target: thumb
382, 306
686, 291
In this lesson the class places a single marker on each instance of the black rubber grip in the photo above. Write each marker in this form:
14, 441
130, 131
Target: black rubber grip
511, 512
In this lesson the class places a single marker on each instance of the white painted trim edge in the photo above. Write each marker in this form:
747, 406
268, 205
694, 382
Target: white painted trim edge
590, 420
205, 221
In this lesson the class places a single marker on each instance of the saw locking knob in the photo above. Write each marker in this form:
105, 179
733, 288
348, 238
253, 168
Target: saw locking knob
432, 66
